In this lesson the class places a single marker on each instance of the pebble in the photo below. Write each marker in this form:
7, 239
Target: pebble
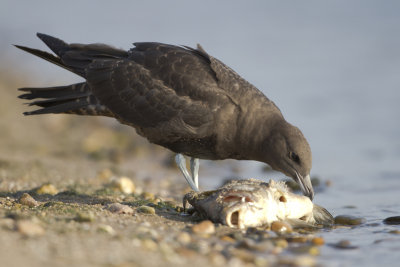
392, 220
266, 245
29, 228
281, 243
124, 185
397, 232
7, 223
84, 217
149, 244
184, 238
319, 241
281, 227
28, 200
185, 252
311, 250
344, 244
243, 255
146, 209
120, 208
227, 238
47, 189
105, 228
348, 220
147, 195
105, 174
297, 261
204, 227
217, 259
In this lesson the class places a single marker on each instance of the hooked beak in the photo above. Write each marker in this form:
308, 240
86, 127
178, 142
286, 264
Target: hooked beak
305, 185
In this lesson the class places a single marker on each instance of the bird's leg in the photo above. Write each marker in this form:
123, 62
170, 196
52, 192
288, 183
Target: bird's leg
181, 162
194, 168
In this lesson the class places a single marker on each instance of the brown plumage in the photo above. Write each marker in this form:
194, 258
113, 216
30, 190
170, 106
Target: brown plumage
177, 97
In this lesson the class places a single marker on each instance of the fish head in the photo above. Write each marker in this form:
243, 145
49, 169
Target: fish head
248, 203
241, 209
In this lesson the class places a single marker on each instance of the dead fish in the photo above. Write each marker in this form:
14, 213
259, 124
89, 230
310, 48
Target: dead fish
252, 203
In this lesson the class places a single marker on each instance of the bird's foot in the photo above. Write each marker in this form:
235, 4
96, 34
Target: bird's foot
194, 166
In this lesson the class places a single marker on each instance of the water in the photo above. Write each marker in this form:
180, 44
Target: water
332, 68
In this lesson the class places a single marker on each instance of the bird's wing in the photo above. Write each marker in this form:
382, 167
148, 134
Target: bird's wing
227, 79
132, 93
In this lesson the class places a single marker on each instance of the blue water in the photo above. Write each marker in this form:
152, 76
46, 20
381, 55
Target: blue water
332, 68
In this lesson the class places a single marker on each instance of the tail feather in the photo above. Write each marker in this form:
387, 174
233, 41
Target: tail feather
66, 107
56, 45
59, 92
73, 57
46, 56
75, 98
71, 99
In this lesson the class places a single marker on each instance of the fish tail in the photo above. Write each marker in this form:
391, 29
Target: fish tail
322, 216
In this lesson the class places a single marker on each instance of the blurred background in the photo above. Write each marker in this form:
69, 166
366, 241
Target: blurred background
331, 67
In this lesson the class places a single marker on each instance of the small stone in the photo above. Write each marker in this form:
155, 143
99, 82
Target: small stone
392, 220
84, 217
27, 200
184, 238
120, 208
149, 244
281, 227
348, 220
167, 251
105, 174
148, 196
344, 244
319, 241
146, 209
227, 238
204, 227
311, 250
106, 229
7, 223
252, 245
397, 232
243, 255
314, 251
29, 228
47, 189
186, 253
217, 259
124, 185
281, 243
304, 261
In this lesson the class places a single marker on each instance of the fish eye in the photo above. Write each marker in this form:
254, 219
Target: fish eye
293, 156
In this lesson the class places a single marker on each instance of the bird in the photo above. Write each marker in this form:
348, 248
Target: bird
177, 97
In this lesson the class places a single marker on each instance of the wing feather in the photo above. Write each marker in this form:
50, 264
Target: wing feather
132, 93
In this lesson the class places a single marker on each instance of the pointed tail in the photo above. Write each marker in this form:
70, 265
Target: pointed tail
72, 99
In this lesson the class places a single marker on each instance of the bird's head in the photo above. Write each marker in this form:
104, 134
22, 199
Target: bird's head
290, 153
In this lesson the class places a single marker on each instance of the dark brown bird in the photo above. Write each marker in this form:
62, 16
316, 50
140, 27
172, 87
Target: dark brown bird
179, 98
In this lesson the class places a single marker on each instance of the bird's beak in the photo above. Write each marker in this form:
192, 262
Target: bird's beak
305, 185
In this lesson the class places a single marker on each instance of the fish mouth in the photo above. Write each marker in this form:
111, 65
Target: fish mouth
241, 210
233, 218
305, 185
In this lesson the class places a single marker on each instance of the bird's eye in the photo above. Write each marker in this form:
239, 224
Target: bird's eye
293, 156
